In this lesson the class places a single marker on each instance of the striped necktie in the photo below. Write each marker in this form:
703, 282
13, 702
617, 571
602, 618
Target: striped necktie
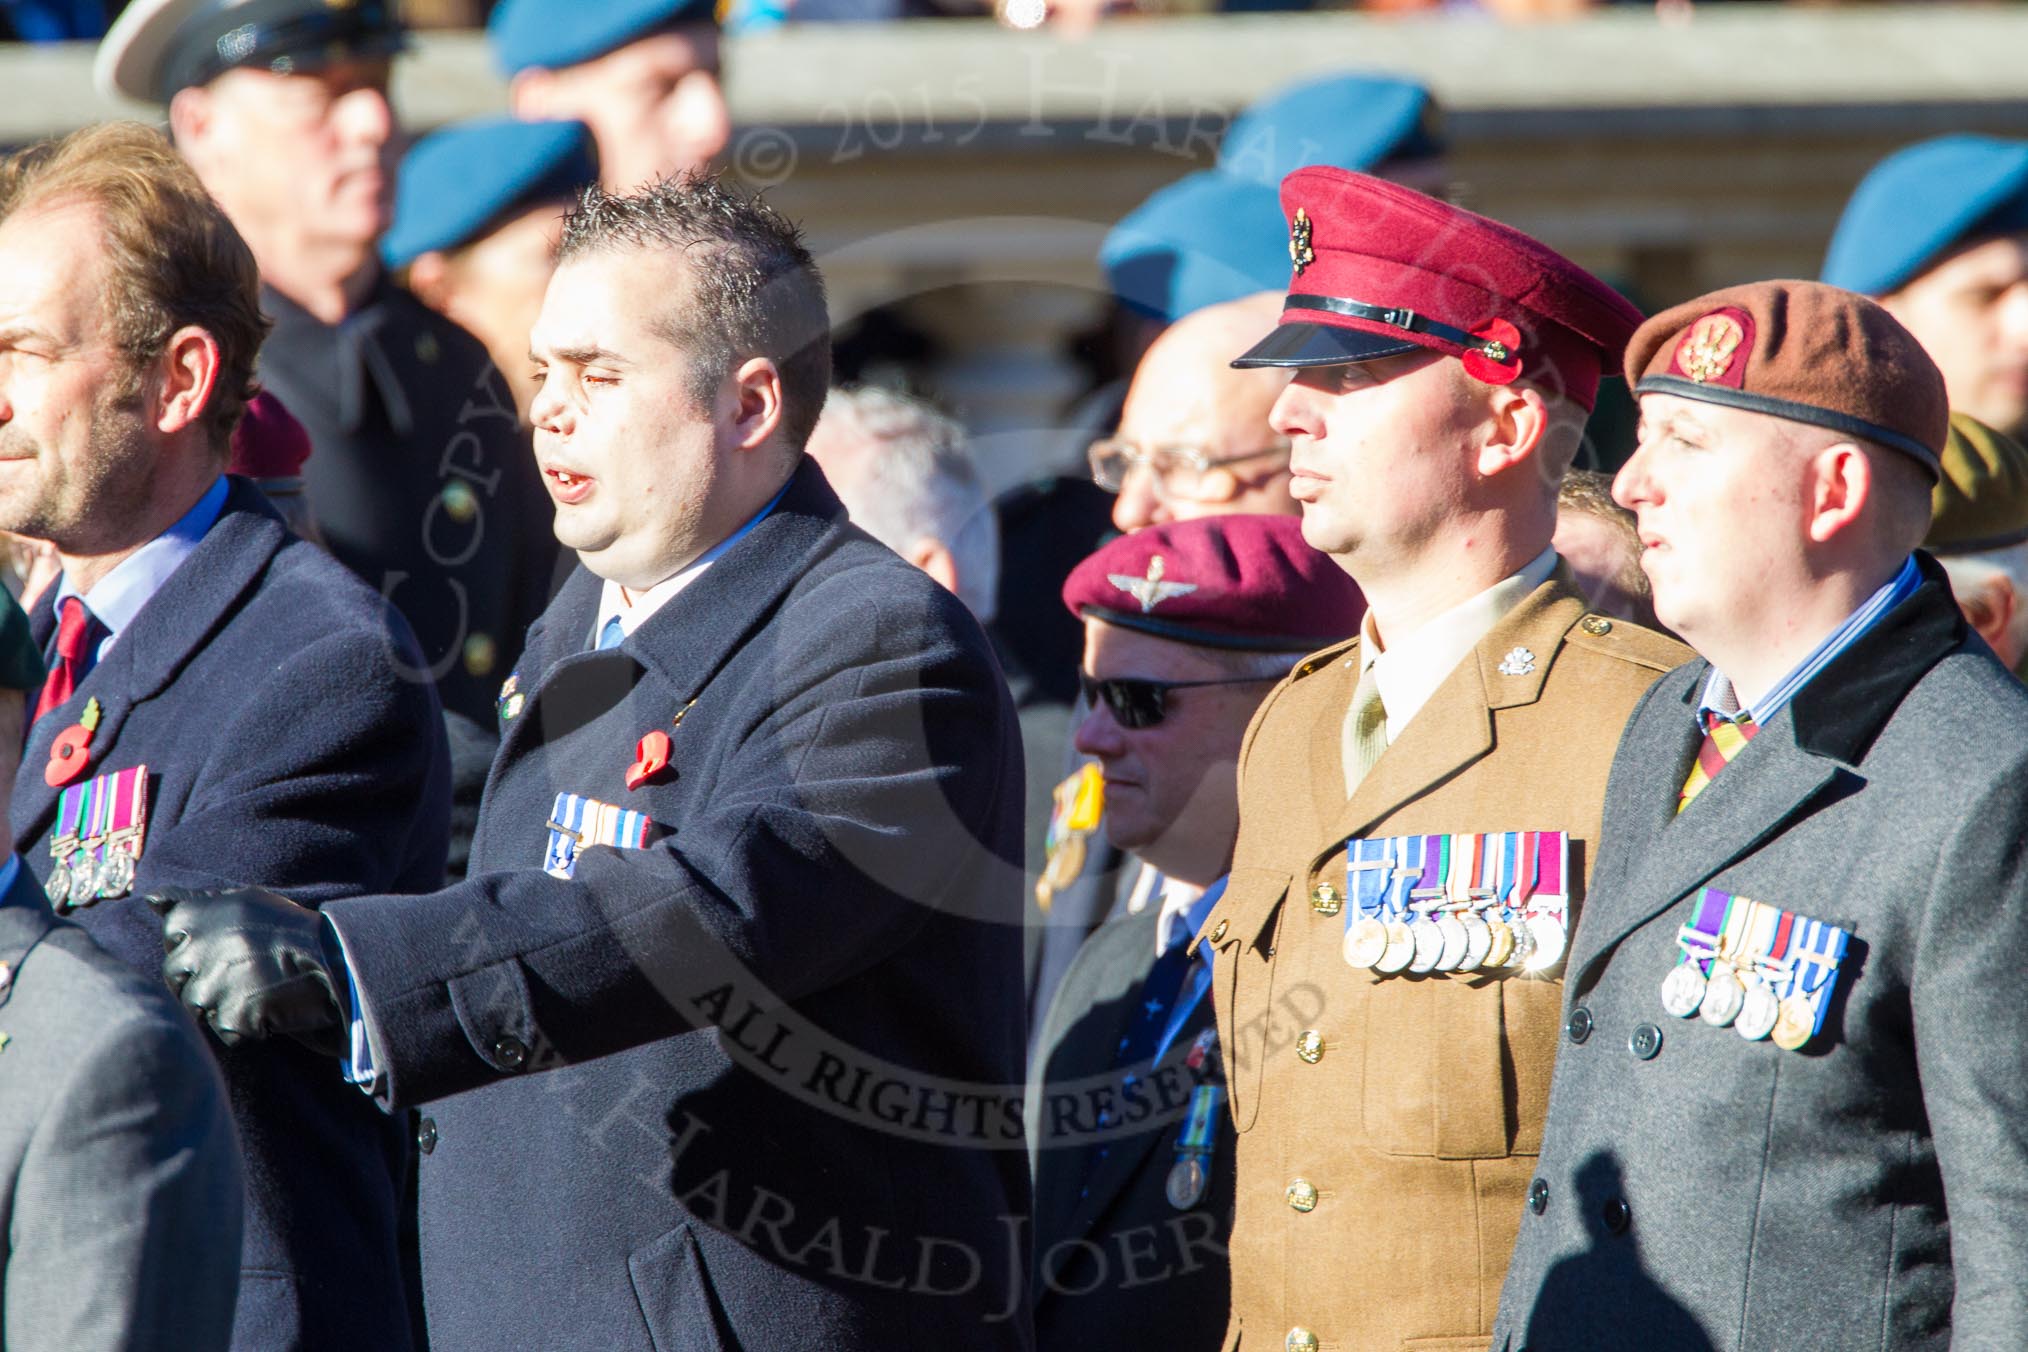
1725, 738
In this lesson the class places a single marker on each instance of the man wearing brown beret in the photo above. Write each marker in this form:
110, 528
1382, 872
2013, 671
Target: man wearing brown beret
1794, 1116
1417, 808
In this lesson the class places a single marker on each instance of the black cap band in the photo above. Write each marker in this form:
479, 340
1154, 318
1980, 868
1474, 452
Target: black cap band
281, 35
1398, 317
1794, 412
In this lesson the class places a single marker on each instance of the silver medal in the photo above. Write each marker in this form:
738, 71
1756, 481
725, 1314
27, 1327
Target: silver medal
1723, 995
1683, 990
1758, 1012
1478, 943
116, 874
1429, 946
1185, 1187
58, 886
1548, 933
1455, 940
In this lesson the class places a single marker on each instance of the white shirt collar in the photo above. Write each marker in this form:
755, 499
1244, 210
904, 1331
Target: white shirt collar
1415, 664
1184, 908
121, 594
632, 614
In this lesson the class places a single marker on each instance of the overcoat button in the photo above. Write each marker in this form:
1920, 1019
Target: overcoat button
1616, 1215
1646, 1042
426, 1135
1538, 1196
1579, 1024
510, 1051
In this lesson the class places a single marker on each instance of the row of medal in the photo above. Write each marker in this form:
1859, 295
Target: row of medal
100, 826
1496, 902
1762, 971
1196, 1140
577, 822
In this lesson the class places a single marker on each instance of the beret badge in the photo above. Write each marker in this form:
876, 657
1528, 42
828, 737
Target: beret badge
1300, 252
1151, 590
1705, 352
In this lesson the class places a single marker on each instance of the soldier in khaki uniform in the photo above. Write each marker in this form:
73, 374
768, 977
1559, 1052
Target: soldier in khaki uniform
1388, 1123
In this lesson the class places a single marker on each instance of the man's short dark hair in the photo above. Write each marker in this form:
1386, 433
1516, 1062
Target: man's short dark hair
754, 289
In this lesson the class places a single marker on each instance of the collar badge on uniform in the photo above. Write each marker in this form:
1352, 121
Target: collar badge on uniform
1300, 252
100, 827
71, 752
1706, 350
1517, 662
1150, 591
1762, 971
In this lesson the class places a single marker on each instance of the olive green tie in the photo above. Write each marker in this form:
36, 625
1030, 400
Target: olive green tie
1365, 732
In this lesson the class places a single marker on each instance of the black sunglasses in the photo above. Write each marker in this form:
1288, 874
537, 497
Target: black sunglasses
1137, 704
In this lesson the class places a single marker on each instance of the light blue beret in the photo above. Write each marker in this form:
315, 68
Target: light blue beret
1920, 203
1350, 121
458, 180
1202, 240
557, 33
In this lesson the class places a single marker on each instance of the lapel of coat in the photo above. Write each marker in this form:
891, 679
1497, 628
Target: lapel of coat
567, 684
1126, 1154
1809, 748
179, 619
1456, 727
1107, 993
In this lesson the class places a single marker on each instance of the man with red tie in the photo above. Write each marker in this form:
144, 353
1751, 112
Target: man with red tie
224, 700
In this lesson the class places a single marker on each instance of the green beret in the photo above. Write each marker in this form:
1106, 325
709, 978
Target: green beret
1981, 502
20, 659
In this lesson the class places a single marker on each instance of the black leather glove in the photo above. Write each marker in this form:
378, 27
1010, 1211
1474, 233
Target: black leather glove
250, 964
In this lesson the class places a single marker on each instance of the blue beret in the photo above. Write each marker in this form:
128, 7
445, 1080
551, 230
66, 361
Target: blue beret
1348, 121
1920, 203
460, 179
1202, 240
557, 33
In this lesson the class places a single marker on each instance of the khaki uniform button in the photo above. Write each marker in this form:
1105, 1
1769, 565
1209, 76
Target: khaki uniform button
1302, 1195
1326, 899
1310, 1046
1598, 626
1300, 1340
1218, 932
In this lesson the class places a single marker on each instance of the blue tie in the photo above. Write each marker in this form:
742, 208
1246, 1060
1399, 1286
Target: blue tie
612, 635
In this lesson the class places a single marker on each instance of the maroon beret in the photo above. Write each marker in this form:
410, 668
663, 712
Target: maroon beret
268, 443
1803, 351
1246, 582
1381, 270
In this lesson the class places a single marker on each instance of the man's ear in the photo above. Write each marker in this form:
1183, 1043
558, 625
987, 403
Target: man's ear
1520, 420
934, 557
1841, 488
429, 281
531, 94
185, 376
1989, 608
189, 117
757, 402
